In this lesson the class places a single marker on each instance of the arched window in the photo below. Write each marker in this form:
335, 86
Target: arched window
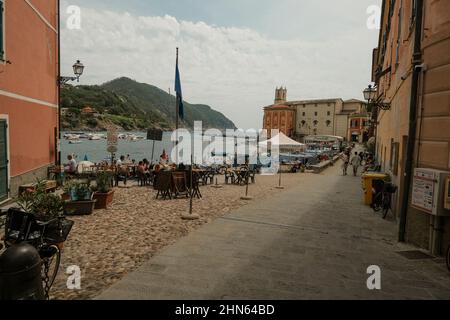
315, 123
303, 123
328, 123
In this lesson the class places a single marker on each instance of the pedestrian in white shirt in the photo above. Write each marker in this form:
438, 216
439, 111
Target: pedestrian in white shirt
355, 162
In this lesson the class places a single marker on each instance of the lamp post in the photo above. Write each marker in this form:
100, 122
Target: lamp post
78, 69
370, 94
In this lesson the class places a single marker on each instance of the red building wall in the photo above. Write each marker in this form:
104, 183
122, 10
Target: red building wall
281, 118
28, 83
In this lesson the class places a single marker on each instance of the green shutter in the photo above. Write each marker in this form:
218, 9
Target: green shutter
2, 50
3, 161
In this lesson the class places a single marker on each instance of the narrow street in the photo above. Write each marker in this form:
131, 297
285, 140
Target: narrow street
313, 241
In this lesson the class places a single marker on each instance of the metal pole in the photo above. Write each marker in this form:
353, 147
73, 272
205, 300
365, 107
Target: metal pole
177, 124
191, 190
153, 151
280, 177
58, 144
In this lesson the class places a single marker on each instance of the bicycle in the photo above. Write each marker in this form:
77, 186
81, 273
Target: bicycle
383, 199
46, 236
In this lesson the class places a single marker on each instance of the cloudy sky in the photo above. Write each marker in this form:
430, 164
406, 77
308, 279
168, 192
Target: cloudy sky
233, 53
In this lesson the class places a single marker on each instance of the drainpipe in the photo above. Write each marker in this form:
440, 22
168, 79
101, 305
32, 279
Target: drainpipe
58, 145
417, 61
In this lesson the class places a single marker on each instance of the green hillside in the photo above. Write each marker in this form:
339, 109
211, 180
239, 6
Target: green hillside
133, 106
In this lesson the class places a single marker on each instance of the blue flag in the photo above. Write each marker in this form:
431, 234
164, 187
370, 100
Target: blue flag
180, 107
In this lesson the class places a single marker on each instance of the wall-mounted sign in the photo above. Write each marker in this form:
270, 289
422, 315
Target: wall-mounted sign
430, 191
112, 149
112, 136
423, 193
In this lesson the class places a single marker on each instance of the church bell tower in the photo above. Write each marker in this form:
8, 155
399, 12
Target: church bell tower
280, 95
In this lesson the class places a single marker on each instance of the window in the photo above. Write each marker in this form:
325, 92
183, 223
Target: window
2, 30
316, 123
303, 123
304, 114
328, 123
315, 113
328, 113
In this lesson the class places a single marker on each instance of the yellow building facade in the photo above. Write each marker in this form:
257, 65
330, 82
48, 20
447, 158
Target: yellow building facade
412, 74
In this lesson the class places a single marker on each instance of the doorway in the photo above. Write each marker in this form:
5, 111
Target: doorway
3, 160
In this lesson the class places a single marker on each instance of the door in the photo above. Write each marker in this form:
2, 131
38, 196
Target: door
3, 160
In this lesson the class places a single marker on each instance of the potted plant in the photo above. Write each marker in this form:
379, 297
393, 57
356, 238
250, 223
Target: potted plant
104, 193
67, 187
47, 207
81, 199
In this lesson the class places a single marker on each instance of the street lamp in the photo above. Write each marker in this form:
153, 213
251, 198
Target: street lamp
78, 69
370, 93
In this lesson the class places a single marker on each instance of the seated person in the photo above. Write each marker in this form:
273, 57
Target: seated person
141, 168
70, 167
121, 167
164, 158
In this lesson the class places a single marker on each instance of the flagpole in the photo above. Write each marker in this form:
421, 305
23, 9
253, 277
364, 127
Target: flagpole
177, 111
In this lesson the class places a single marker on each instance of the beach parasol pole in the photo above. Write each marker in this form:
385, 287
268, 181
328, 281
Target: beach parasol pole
191, 215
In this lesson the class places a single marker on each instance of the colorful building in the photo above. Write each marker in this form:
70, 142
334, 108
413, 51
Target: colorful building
279, 117
299, 119
28, 91
411, 70
359, 125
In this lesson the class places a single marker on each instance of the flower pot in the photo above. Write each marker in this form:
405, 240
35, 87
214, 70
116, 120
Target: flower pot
103, 199
65, 196
76, 208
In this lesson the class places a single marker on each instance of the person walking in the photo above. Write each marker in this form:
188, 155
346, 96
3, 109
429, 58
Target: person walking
345, 160
355, 162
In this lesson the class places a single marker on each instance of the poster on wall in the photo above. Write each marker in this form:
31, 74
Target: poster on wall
423, 192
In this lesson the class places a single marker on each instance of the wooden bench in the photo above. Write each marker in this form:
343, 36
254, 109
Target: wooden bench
50, 186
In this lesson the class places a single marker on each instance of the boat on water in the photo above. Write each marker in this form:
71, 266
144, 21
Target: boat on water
75, 141
71, 136
95, 137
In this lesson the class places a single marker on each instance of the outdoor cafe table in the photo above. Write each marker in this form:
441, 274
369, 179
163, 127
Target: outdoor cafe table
240, 175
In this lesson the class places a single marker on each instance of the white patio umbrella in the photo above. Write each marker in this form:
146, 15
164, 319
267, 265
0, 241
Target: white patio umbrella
284, 143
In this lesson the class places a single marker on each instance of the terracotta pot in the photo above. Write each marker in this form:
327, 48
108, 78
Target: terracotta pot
65, 196
103, 199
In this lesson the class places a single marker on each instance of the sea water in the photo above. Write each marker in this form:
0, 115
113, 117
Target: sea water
96, 150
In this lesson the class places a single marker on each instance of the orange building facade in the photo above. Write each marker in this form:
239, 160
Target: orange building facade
28, 91
280, 117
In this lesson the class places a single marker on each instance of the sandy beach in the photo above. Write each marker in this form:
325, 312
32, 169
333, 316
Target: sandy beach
110, 243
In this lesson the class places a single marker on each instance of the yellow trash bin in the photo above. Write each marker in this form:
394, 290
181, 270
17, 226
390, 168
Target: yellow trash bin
367, 183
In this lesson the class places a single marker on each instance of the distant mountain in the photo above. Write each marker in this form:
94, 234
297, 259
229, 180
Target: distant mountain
132, 106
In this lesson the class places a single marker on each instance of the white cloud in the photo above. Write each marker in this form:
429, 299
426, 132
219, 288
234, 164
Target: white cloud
235, 70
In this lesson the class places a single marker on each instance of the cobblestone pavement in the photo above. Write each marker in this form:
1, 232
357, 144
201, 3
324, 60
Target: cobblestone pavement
313, 241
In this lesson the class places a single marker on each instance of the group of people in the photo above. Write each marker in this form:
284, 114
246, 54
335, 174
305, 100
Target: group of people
142, 168
355, 160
